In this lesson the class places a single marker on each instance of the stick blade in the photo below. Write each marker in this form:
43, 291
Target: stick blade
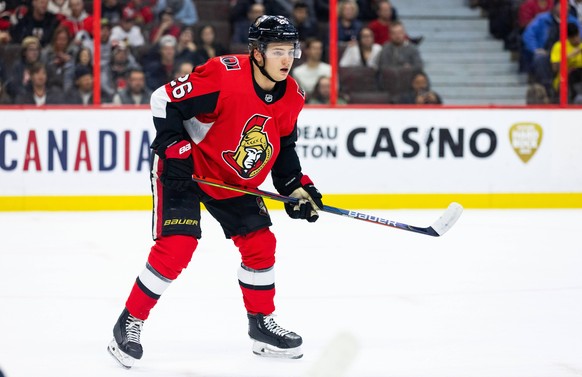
447, 219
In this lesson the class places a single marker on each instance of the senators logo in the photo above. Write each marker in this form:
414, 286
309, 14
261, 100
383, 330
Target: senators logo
253, 151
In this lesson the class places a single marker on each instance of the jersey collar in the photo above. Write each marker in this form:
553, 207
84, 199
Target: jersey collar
271, 96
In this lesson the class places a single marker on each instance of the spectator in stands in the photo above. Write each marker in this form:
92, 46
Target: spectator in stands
321, 10
185, 11
5, 15
159, 68
306, 26
573, 55
127, 30
380, 26
502, 17
113, 73
239, 9
59, 7
79, 23
144, 12
399, 52
364, 53
186, 48
538, 38
206, 46
240, 26
420, 92
12, 8
111, 10
182, 69
576, 9
367, 10
285, 7
529, 9
6, 10
20, 70
106, 43
166, 26
58, 57
36, 22
37, 92
309, 72
322, 92
82, 92
348, 23
84, 57
543, 31
136, 92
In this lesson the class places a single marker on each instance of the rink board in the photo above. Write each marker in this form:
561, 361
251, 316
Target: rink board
95, 159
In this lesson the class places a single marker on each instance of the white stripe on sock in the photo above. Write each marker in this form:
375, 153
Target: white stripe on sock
256, 277
154, 282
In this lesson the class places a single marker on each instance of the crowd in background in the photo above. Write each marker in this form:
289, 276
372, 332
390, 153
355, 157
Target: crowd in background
530, 29
143, 45
46, 47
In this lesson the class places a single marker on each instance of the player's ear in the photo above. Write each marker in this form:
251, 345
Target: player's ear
257, 55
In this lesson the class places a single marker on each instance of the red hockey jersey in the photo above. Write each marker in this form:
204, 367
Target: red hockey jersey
235, 127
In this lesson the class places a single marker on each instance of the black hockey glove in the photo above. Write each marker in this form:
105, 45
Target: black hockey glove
178, 165
309, 201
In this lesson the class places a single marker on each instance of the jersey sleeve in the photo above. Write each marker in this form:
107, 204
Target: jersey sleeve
286, 171
182, 99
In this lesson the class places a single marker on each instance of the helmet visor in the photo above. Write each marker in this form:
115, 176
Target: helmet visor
278, 52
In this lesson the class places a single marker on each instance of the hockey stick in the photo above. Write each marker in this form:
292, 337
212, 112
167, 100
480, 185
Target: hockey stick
437, 229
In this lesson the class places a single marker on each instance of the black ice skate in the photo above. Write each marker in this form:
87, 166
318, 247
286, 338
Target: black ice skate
126, 347
271, 340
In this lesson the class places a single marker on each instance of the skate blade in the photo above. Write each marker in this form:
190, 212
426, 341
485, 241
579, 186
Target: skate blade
267, 350
124, 359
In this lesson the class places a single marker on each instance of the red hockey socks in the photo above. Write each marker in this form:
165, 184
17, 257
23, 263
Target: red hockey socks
168, 257
256, 274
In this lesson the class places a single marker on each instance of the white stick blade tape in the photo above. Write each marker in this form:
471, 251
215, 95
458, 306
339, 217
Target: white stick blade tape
448, 219
336, 357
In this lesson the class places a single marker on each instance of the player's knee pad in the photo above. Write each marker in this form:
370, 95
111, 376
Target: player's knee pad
257, 248
171, 254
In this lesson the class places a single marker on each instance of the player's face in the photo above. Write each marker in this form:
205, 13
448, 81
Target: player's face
279, 60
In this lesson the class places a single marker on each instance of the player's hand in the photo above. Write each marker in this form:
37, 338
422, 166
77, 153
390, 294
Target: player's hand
178, 165
309, 201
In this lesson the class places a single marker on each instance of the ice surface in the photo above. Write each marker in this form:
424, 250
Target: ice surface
499, 295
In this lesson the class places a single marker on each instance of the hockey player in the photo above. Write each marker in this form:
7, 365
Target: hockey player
233, 118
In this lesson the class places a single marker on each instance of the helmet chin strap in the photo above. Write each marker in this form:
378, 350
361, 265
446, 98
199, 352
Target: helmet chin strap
262, 69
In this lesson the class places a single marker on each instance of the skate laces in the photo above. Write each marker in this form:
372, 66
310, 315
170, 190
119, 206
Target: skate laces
273, 327
133, 328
